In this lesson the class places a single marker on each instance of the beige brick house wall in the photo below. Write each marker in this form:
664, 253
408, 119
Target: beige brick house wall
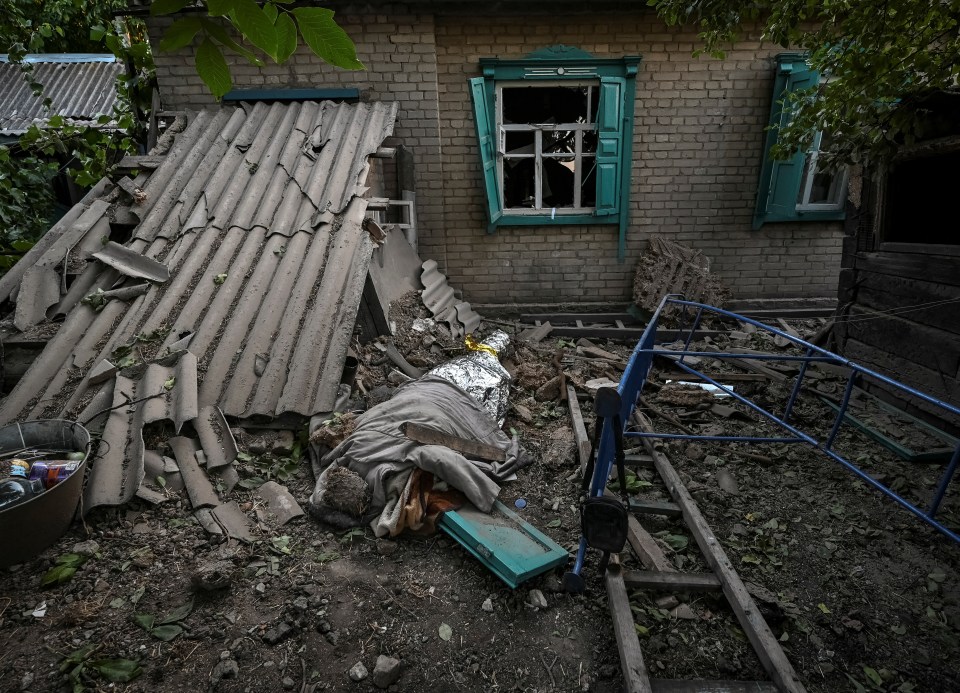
698, 138
398, 51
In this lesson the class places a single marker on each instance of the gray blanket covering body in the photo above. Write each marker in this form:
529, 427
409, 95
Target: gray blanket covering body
379, 452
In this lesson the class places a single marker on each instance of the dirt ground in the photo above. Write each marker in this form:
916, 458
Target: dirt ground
861, 594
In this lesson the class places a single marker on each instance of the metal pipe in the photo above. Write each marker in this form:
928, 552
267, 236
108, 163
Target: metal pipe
842, 411
945, 481
796, 389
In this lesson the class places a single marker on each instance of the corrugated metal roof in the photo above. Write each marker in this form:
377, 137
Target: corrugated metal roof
257, 214
80, 91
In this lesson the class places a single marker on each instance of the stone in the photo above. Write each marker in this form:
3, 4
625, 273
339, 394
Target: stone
225, 669
683, 611
668, 602
385, 547
333, 637
535, 598
86, 548
287, 683
358, 672
523, 413
487, 605
211, 576
386, 672
728, 482
278, 633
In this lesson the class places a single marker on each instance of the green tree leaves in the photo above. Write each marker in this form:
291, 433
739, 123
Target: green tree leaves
212, 68
881, 59
325, 37
272, 29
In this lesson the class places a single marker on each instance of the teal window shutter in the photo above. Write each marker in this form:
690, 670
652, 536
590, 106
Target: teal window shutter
780, 180
486, 137
610, 126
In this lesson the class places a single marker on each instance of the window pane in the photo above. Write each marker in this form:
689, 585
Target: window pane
588, 185
558, 181
823, 190
519, 142
559, 141
518, 183
589, 141
545, 105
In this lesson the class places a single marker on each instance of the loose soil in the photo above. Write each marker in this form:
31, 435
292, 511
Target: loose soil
861, 594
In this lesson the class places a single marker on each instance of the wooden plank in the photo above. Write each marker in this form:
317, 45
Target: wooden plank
635, 676
940, 269
925, 346
768, 650
580, 436
468, 448
885, 293
748, 364
638, 461
679, 582
571, 318
679, 686
648, 551
655, 508
536, 334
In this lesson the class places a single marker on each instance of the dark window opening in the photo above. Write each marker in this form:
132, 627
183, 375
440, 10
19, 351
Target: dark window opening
921, 201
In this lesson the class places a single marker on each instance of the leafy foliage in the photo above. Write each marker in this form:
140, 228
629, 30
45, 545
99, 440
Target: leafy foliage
883, 60
272, 30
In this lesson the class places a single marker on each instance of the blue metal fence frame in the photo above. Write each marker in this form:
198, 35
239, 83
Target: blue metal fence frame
641, 360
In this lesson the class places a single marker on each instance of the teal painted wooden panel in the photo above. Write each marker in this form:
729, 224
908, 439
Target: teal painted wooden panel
514, 550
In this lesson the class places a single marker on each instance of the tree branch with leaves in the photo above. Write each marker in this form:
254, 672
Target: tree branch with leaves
881, 60
272, 29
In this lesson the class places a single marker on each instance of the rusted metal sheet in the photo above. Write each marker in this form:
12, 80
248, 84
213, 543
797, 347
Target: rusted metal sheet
80, 87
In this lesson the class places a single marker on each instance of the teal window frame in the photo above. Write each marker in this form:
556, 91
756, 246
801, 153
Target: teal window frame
616, 82
780, 181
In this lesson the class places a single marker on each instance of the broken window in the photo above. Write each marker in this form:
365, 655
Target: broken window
548, 147
796, 189
553, 131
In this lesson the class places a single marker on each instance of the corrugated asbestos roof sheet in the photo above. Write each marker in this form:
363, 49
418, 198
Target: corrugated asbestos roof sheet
256, 213
80, 91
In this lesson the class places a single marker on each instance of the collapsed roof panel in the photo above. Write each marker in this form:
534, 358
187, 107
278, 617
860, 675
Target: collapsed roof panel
261, 231
80, 90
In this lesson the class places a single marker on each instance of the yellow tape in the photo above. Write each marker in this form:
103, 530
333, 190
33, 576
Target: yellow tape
474, 345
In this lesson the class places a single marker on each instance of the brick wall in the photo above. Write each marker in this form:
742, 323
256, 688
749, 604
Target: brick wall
698, 139
398, 51
698, 134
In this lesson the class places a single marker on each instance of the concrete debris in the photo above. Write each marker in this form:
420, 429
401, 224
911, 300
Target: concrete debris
536, 599
213, 575
358, 672
386, 672
487, 605
728, 482
281, 506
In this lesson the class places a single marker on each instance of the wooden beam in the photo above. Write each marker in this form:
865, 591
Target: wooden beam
579, 429
646, 548
768, 650
671, 582
635, 676
679, 686
655, 508
638, 461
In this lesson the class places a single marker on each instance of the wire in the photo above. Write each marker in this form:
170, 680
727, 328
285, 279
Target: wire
878, 315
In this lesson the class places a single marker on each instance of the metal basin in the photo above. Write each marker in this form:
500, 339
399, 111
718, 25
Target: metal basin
30, 527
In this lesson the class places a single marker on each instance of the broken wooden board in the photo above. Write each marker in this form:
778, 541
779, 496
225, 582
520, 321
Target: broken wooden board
512, 549
468, 448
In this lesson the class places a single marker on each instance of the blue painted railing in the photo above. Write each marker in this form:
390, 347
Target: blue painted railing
638, 367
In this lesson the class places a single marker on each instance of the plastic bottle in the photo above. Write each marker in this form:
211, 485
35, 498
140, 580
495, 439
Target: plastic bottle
17, 488
52, 472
